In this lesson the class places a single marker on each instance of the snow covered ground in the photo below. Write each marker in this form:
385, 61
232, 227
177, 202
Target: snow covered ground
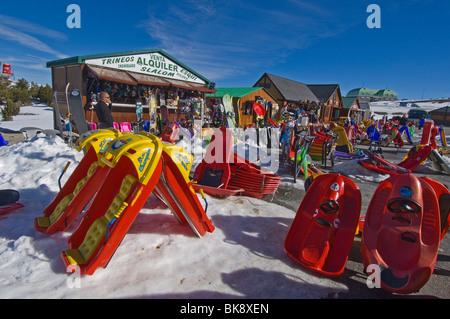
158, 258
393, 108
38, 115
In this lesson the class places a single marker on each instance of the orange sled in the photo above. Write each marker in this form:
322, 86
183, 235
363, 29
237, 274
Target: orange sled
443, 196
402, 233
321, 235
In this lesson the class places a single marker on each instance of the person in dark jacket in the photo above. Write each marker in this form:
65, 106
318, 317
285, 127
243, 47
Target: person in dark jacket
403, 121
422, 122
103, 111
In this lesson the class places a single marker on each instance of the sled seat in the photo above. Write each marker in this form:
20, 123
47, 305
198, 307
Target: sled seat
125, 127
46, 222
101, 225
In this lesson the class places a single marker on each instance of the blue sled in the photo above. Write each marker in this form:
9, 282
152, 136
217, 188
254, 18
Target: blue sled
2, 141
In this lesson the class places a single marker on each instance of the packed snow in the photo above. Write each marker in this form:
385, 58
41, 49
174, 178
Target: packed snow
158, 258
398, 108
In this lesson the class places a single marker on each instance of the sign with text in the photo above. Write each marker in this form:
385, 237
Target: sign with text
149, 63
7, 69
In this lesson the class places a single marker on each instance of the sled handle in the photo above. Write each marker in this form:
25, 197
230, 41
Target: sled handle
204, 198
330, 206
409, 236
323, 222
404, 205
62, 173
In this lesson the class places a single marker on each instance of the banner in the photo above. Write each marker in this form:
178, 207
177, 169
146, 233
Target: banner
7, 69
150, 63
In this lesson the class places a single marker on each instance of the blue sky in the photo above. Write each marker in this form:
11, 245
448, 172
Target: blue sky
233, 43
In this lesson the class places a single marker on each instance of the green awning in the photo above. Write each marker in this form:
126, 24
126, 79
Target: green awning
234, 92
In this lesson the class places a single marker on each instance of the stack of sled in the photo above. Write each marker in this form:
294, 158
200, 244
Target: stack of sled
254, 181
222, 172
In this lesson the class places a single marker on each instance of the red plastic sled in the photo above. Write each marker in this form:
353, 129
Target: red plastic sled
174, 132
426, 132
321, 235
255, 182
379, 164
81, 186
170, 133
402, 233
218, 191
9, 200
10, 207
223, 172
214, 170
260, 111
416, 156
443, 196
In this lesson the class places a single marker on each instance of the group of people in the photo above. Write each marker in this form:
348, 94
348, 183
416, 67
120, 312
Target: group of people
103, 109
401, 123
292, 113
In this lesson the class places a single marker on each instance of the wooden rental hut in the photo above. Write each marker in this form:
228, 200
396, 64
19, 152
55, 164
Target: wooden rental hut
243, 99
441, 116
129, 77
288, 93
330, 97
350, 106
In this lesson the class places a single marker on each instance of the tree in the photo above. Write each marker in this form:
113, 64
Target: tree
22, 84
15, 94
20, 92
9, 110
4, 90
34, 89
45, 95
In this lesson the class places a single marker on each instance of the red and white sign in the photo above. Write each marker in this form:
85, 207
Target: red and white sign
7, 69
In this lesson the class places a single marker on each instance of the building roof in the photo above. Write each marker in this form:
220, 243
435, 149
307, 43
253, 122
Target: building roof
290, 89
323, 91
386, 93
348, 101
444, 109
82, 58
235, 91
362, 92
